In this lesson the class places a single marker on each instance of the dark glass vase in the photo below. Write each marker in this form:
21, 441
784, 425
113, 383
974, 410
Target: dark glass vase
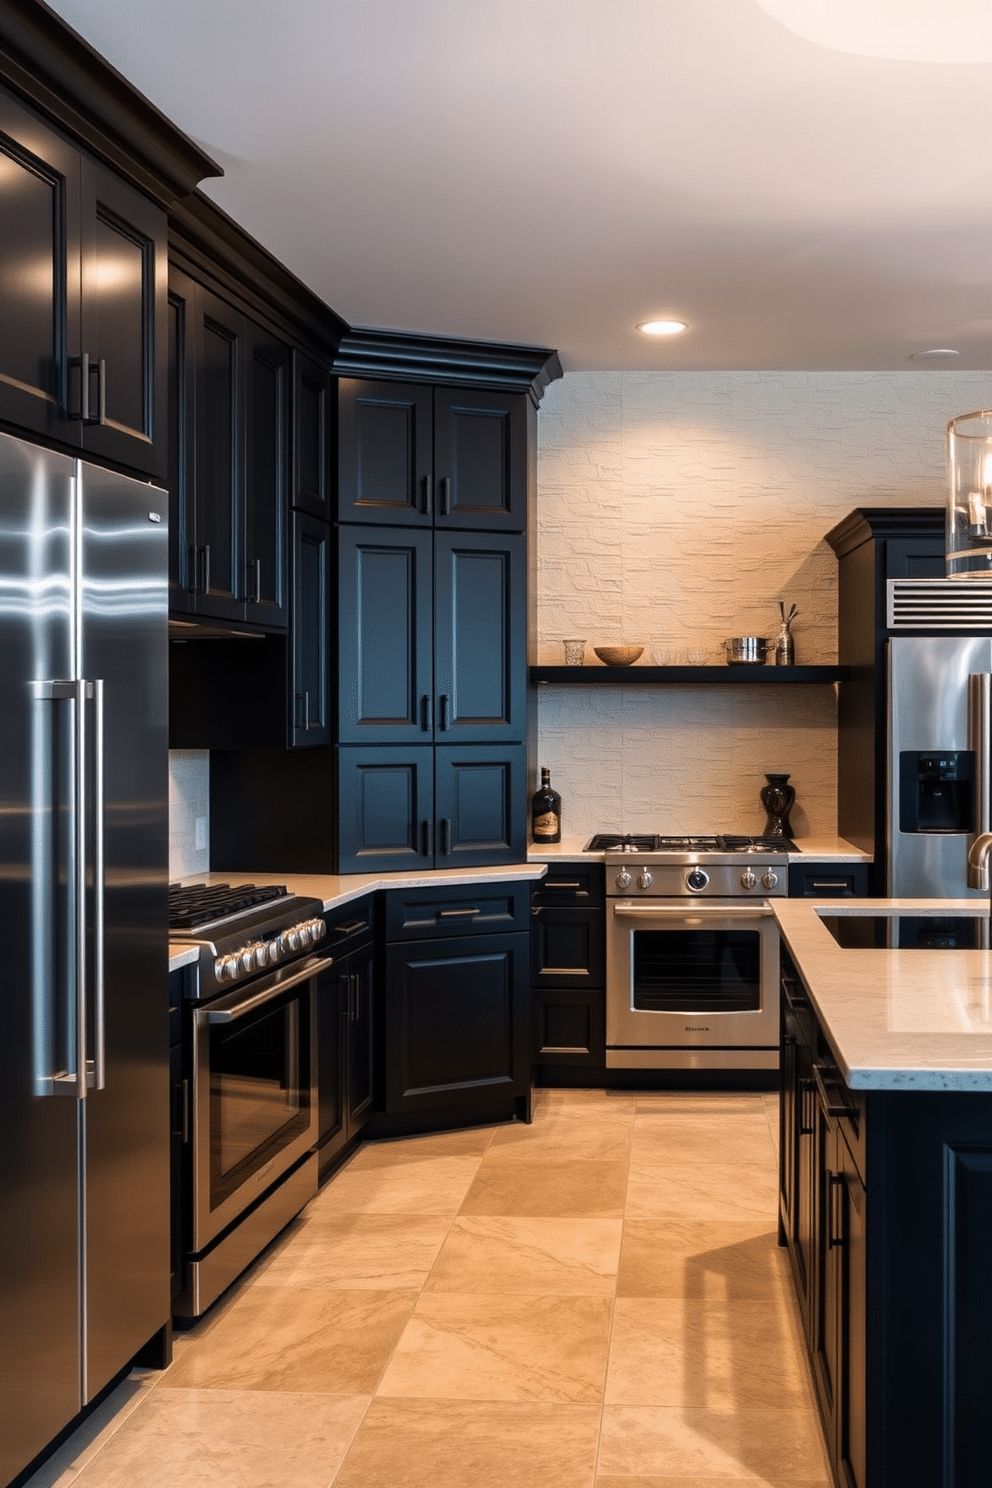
778, 798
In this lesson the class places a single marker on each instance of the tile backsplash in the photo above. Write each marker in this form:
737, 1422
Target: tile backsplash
675, 510
189, 812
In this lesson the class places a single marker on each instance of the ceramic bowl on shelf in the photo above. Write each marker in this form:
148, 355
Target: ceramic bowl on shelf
618, 655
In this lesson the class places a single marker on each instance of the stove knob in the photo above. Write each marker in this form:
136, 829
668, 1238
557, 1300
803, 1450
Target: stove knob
276, 950
769, 878
292, 938
623, 879
748, 879
261, 956
319, 930
644, 879
696, 879
246, 960
226, 968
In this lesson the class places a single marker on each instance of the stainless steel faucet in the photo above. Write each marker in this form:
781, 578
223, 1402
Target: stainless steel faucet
978, 861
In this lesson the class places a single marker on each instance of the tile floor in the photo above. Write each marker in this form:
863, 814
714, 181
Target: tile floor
594, 1301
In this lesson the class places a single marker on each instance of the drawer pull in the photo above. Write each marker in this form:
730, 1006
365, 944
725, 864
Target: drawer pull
835, 1107
831, 883
555, 883
456, 914
350, 926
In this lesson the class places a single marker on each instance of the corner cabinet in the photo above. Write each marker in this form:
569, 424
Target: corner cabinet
886, 1209
82, 299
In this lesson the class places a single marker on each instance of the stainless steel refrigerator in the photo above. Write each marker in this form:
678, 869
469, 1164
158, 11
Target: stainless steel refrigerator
84, 1164
939, 761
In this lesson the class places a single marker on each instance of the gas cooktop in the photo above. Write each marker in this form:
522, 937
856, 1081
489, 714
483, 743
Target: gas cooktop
631, 842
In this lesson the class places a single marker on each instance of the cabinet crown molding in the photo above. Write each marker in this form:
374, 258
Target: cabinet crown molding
408, 356
53, 68
867, 522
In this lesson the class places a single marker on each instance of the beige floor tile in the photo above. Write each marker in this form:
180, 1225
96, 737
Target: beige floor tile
220, 1438
285, 1338
348, 1251
702, 1191
678, 1137
455, 1444
710, 1355
470, 1141
702, 1258
606, 1100
461, 1347
568, 1132
701, 1102
570, 1257
92, 1436
434, 1185
759, 1444
571, 1187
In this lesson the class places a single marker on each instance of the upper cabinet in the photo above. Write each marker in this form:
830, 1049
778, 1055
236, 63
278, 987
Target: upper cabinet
313, 435
82, 298
229, 460
414, 455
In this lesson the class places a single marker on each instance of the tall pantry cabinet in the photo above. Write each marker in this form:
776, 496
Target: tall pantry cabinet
434, 482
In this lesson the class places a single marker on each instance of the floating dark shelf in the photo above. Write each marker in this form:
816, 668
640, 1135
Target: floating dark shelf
598, 675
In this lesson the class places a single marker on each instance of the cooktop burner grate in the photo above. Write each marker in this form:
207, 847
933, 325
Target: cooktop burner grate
651, 842
201, 904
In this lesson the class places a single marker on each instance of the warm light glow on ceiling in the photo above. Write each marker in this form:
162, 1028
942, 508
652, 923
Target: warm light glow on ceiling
936, 354
662, 327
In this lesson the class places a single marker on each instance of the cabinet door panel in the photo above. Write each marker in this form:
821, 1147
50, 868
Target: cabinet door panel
220, 422
457, 1021
124, 289
568, 947
385, 670
266, 479
39, 296
480, 804
312, 435
181, 316
480, 636
571, 1025
386, 808
309, 685
385, 453
480, 459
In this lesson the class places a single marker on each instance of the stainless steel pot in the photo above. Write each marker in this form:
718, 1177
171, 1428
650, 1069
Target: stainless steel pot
746, 650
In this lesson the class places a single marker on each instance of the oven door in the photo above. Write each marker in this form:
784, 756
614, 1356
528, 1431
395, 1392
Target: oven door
254, 1091
695, 982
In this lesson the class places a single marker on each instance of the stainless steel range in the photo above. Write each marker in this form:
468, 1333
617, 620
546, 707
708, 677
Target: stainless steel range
249, 1076
692, 950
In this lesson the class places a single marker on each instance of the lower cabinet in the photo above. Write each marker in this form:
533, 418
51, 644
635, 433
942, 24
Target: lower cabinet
568, 966
402, 806
345, 1030
456, 1009
886, 1209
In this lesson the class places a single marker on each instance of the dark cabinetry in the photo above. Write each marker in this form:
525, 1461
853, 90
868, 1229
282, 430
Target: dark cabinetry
310, 633
345, 1027
421, 456
828, 880
229, 459
82, 298
455, 1001
568, 966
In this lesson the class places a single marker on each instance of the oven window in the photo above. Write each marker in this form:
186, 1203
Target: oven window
259, 1092
696, 971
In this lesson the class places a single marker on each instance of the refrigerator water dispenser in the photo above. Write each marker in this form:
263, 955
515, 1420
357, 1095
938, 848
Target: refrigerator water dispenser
936, 791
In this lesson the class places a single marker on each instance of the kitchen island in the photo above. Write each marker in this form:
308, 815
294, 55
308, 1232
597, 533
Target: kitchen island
886, 1180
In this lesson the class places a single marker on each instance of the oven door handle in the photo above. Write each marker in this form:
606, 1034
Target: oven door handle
699, 912
234, 1006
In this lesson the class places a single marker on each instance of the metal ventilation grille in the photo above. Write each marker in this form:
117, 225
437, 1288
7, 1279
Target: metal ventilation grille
939, 604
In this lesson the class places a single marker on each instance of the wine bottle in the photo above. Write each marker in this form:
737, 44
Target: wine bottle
545, 811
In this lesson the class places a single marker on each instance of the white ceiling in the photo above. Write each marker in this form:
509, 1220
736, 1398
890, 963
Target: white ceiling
554, 171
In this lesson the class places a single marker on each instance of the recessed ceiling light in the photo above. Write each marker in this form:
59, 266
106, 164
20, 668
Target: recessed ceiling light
662, 327
936, 354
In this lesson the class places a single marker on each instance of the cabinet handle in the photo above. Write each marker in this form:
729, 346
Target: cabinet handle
255, 580
445, 495
556, 883
101, 391
443, 701
428, 505
184, 1113
427, 832
831, 883
306, 711
830, 1108
205, 550
806, 1127
86, 371
456, 914
835, 1235
350, 927
446, 836
355, 989
427, 713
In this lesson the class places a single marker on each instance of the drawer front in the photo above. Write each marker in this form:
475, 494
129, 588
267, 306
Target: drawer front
571, 884
568, 946
349, 927
472, 909
828, 880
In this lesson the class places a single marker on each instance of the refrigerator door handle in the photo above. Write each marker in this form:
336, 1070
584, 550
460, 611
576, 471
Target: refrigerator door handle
97, 1075
980, 742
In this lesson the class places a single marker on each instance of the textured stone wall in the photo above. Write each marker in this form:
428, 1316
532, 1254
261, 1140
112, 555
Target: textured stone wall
676, 509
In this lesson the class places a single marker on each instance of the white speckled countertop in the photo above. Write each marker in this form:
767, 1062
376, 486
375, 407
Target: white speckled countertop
336, 889
824, 849
896, 1019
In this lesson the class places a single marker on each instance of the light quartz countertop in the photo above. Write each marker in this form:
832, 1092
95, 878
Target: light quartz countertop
899, 1019
824, 849
336, 889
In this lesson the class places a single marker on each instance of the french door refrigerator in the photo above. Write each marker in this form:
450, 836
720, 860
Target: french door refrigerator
84, 1128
